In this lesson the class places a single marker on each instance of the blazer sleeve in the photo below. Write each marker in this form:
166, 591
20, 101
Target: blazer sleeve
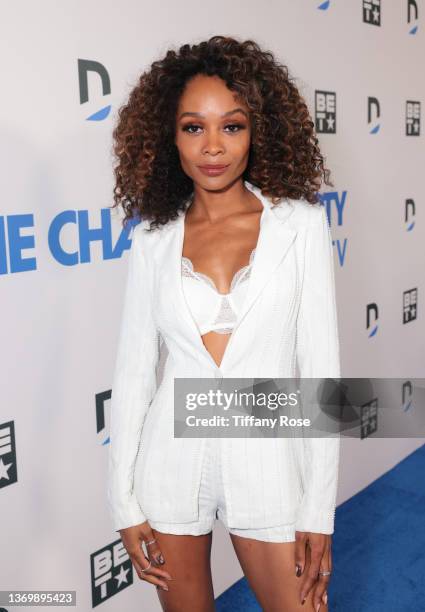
318, 357
134, 385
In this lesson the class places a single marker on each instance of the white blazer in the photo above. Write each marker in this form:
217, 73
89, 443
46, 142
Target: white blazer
289, 317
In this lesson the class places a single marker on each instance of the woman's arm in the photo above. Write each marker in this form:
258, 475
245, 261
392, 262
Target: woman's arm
318, 357
134, 385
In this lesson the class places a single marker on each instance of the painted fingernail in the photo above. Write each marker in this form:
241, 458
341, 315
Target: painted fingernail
161, 559
165, 588
297, 570
325, 598
318, 607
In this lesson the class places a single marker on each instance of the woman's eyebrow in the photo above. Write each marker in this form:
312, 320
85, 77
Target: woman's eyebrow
235, 110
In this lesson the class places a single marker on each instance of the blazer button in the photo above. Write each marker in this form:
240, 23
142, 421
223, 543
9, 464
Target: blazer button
219, 379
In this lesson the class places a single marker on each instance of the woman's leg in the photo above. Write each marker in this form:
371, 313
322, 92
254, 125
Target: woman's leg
270, 570
187, 560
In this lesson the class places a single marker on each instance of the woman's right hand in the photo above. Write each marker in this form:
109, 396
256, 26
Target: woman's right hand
132, 538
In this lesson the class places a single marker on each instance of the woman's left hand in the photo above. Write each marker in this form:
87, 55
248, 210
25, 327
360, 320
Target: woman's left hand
320, 561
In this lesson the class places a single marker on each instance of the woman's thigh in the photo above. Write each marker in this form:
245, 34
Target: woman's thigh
270, 570
187, 560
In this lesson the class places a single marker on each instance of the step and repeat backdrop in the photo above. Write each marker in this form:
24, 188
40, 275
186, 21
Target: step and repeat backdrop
66, 69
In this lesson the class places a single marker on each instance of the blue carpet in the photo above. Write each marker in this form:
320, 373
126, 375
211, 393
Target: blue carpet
378, 548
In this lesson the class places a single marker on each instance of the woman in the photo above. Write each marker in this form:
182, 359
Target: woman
231, 267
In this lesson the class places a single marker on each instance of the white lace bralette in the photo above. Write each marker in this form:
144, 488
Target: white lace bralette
211, 310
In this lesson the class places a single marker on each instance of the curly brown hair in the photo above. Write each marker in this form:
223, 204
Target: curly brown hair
284, 158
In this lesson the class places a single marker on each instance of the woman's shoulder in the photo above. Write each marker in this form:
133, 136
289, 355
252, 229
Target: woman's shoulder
150, 239
141, 226
299, 212
144, 226
143, 230
141, 235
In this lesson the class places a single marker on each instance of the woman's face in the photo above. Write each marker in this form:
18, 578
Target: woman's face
212, 128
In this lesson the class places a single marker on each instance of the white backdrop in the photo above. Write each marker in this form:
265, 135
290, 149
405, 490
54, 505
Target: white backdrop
60, 311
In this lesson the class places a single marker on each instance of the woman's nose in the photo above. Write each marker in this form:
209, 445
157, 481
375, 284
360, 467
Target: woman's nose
213, 143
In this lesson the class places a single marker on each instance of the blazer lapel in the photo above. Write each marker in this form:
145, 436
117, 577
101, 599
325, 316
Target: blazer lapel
274, 240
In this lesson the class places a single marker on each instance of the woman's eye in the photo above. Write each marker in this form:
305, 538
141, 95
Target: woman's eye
190, 126
236, 125
187, 127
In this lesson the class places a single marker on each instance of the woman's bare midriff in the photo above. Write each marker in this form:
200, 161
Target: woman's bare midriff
216, 343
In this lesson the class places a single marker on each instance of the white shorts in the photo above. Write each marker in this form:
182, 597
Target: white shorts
212, 506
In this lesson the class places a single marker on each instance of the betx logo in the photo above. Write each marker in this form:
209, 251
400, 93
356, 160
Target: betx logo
111, 571
410, 305
413, 118
8, 468
372, 12
368, 418
325, 111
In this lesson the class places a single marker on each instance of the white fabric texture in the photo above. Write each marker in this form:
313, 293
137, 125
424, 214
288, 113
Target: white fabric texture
212, 506
287, 319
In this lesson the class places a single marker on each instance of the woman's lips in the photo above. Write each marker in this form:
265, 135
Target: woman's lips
213, 170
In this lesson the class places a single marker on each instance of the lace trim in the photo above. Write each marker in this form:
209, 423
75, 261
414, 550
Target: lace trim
226, 314
241, 275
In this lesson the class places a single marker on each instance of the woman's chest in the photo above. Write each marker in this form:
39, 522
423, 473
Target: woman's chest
178, 294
